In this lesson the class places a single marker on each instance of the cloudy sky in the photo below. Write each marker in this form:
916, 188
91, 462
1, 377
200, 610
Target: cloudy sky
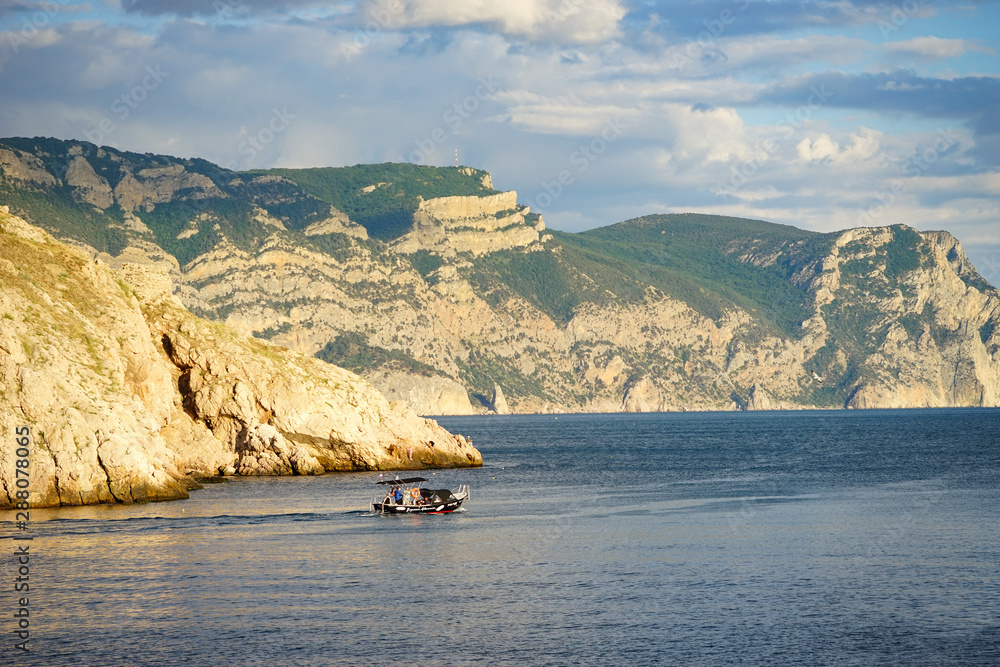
821, 114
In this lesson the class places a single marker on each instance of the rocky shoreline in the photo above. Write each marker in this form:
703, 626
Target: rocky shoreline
131, 398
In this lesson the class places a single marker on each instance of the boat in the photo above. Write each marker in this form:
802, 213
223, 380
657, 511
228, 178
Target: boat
415, 499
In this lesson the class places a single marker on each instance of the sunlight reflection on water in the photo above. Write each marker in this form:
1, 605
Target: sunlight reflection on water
703, 539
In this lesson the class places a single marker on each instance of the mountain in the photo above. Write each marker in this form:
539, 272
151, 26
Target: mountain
130, 398
451, 296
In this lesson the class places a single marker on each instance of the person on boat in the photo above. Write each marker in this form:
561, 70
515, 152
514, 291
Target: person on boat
397, 494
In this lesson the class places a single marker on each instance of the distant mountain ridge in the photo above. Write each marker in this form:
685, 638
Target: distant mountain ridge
447, 293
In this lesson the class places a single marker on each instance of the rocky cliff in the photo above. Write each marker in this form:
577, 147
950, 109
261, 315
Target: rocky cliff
937, 342
450, 296
129, 396
474, 224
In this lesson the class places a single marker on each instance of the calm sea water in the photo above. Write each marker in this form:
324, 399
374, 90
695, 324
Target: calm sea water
820, 538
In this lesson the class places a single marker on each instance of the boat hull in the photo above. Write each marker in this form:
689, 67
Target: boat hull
437, 508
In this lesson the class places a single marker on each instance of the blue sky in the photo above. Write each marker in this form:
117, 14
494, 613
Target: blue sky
824, 115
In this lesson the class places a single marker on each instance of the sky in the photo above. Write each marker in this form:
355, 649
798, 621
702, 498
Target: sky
824, 115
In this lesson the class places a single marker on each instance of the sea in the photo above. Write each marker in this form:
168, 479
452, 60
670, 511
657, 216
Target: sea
769, 538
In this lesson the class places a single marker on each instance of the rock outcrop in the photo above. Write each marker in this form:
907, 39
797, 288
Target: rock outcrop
499, 402
475, 225
283, 413
451, 296
425, 394
87, 185
126, 393
641, 395
25, 168
937, 342
157, 185
759, 399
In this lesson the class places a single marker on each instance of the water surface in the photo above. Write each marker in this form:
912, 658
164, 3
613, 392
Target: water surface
752, 538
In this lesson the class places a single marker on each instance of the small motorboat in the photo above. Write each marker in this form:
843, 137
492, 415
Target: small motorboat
406, 496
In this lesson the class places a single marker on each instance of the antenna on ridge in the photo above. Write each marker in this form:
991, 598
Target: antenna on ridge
456, 157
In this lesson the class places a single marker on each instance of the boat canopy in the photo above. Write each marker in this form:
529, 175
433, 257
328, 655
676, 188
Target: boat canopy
397, 482
443, 495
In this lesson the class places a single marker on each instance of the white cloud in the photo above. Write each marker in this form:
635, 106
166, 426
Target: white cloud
569, 115
564, 21
712, 135
771, 52
687, 133
818, 148
934, 48
821, 148
364, 96
985, 185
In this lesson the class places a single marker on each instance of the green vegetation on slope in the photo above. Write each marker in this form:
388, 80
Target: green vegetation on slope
711, 263
986, 331
57, 211
541, 278
351, 350
230, 214
483, 369
169, 219
425, 262
387, 210
857, 324
280, 198
697, 259
904, 253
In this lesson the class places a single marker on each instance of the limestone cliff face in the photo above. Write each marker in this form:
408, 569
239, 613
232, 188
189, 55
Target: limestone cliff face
650, 355
87, 185
921, 335
476, 225
126, 392
941, 345
286, 413
450, 211
78, 366
132, 191
25, 168
499, 401
471, 299
426, 395
888, 333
